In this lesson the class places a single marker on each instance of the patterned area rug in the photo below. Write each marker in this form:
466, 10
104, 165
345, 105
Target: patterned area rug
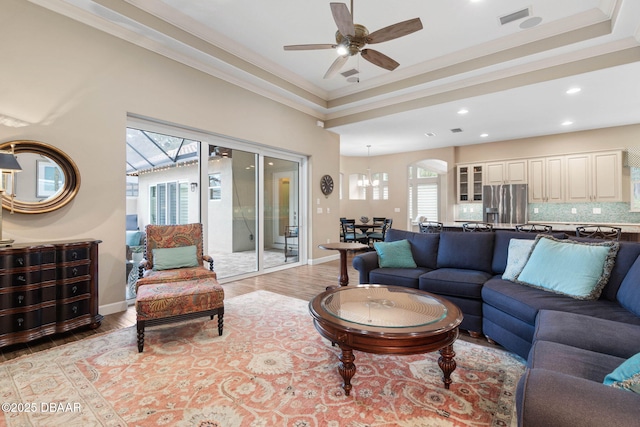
270, 368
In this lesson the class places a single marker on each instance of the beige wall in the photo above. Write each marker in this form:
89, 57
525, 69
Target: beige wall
71, 86
396, 164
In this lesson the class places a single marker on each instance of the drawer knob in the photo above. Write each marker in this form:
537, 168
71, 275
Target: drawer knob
20, 261
20, 321
74, 309
74, 271
74, 255
20, 299
22, 279
74, 289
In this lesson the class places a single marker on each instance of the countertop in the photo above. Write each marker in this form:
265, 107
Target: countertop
557, 226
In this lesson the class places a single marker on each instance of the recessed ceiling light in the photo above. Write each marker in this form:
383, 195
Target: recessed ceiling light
573, 90
567, 123
484, 135
463, 111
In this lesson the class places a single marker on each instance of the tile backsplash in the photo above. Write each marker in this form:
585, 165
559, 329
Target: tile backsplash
612, 213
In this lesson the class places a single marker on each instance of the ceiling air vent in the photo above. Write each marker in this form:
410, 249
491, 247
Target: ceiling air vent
430, 134
515, 16
350, 72
456, 130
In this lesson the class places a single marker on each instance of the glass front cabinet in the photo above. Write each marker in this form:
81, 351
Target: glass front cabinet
470, 183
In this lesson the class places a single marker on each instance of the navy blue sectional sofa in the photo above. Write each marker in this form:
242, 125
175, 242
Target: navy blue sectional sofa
570, 344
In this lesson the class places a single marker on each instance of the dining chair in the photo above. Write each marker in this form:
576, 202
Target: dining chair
534, 228
351, 233
477, 227
430, 227
595, 231
379, 236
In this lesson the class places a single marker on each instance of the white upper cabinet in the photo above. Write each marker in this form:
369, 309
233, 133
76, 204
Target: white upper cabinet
546, 180
507, 172
594, 177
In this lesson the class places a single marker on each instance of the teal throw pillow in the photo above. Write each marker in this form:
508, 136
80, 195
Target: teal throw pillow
519, 250
168, 258
395, 254
133, 237
626, 376
576, 269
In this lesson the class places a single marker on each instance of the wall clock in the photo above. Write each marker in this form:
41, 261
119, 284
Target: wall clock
326, 185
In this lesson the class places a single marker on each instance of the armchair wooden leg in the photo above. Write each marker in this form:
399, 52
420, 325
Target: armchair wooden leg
140, 328
220, 320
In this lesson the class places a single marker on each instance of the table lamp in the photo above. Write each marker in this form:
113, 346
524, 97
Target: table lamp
8, 164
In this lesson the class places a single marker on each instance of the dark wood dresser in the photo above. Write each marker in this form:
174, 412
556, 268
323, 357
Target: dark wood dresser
47, 288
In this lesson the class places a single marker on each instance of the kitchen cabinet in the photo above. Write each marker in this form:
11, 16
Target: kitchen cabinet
507, 172
546, 180
470, 181
47, 288
594, 177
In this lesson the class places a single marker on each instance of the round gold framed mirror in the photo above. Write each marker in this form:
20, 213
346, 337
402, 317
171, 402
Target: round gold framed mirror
49, 178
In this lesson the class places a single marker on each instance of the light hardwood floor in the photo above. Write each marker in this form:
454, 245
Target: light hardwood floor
302, 282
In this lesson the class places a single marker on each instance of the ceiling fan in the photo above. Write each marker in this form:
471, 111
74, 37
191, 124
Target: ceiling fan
352, 38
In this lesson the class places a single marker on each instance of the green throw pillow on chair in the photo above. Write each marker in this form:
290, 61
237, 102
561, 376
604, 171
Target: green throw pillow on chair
395, 254
169, 258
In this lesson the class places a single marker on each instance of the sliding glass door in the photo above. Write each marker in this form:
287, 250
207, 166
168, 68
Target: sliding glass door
247, 196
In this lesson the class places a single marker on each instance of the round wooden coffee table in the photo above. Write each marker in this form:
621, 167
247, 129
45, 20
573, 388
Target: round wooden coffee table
386, 320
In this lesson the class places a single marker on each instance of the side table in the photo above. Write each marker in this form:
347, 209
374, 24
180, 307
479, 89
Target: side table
343, 247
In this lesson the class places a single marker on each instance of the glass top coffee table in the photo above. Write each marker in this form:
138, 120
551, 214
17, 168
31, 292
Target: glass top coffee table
386, 320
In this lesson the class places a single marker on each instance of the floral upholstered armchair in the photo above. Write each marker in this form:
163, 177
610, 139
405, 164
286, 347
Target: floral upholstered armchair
174, 253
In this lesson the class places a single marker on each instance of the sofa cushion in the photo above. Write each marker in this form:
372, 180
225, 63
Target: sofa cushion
407, 277
424, 247
629, 292
587, 332
519, 251
626, 376
179, 257
579, 270
471, 251
454, 282
572, 361
395, 254
524, 302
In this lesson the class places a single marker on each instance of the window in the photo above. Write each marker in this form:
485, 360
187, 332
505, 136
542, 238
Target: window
423, 193
380, 186
215, 186
169, 203
357, 190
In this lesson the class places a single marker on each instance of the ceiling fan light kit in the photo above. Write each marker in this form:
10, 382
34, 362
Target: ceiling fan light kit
352, 38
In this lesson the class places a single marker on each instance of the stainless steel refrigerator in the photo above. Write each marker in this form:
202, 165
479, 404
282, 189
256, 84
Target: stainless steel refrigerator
505, 204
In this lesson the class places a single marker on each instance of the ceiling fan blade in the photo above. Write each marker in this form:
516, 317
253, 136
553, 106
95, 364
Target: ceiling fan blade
343, 19
394, 31
309, 46
379, 59
335, 67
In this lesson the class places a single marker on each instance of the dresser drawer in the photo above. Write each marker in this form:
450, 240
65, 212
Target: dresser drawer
72, 310
18, 322
73, 254
27, 277
73, 271
74, 289
24, 298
